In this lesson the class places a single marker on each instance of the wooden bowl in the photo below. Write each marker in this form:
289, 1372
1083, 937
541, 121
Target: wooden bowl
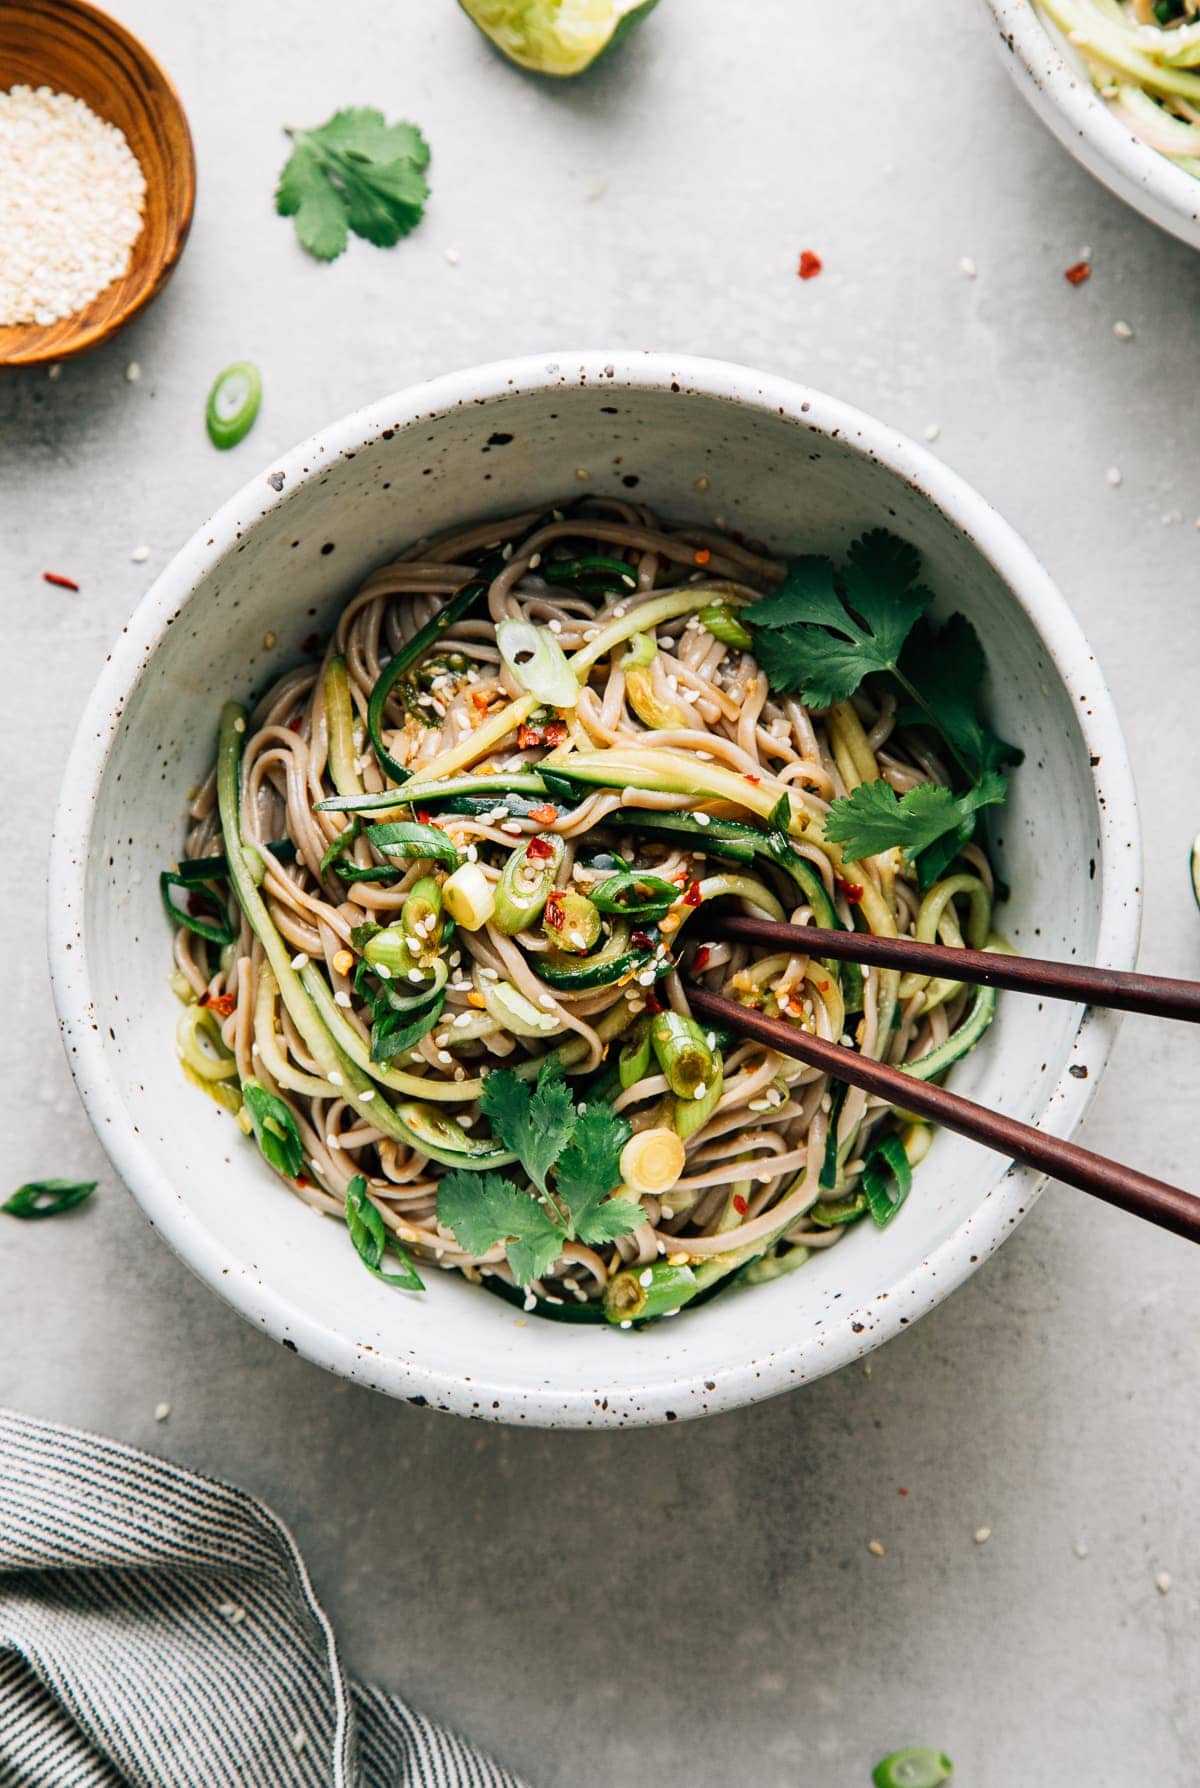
73, 48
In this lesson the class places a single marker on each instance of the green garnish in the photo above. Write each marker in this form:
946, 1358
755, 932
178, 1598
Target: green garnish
913, 1768
354, 173
47, 1198
887, 1180
635, 896
580, 1144
874, 818
372, 1238
824, 631
556, 37
343, 841
409, 838
275, 1129
233, 404
211, 922
723, 624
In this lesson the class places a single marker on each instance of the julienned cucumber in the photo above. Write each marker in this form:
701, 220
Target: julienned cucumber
460, 604
436, 794
737, 843
962, 1042
332, 1062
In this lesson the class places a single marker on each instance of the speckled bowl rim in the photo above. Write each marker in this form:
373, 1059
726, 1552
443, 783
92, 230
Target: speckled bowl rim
674, 1394
1060, 92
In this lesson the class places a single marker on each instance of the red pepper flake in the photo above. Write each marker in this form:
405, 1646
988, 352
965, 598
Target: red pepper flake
527, 736
310, 643
480, 700
902, 1493
223, 1004
701, 556
539, 849
423, 815
754, 779
555, 912
641, 940
295, 723
545, 815
302, 1182
555, 732
810, 264
822, 987
740, 1205
700, 960
693, 896
60, 583
852, 890
1076, 275
654, 1005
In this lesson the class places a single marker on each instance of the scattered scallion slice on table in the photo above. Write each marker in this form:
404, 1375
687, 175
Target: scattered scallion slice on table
915, 1767
556, 37
47, 1198
233, 404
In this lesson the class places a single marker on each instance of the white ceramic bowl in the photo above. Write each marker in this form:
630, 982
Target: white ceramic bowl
1057, 86
782, 462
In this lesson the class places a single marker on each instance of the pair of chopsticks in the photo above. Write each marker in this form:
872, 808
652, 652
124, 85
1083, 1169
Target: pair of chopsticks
1127, 1188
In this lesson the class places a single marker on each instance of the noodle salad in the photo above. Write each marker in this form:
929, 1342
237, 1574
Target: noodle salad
446, 884
1144, 58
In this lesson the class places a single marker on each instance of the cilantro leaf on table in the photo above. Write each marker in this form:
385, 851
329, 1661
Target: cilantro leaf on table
354, 172
874, 818
587, 1172
945, 665
823, 631
536, 1126
580, 1145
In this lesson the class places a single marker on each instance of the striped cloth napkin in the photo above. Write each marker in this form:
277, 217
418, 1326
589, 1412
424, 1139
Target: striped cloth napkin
159, 1630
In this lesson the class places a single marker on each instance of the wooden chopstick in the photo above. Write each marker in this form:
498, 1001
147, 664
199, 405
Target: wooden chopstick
1158, 995
1168, 1206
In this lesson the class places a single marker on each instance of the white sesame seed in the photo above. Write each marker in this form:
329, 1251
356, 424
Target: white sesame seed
1162, 1582
300, 960
932, 431
1122, 330
383, 971
140, 554
444, 1056
55, 371
161, 1411
530, 1302
462, 1019
646, 1278
472, 857
1114, 475
627, 1324
452, 256
239, 725
554, 626
967, 267
700, 1092
335, 1078
341, 998
367, 1096
546, 1001
270, 640
582, 473
703, 819
875, 1547
414, 974
332, 1141
535, 560
133, 372
506, 552
982, 1535
702, 482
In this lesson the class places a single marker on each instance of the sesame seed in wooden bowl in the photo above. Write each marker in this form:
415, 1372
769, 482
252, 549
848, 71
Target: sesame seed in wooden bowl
69, 47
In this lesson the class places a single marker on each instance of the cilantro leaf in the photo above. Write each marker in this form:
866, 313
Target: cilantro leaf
945, 666
874, 818
355, 172
536, 1126
483, 1209
587, 1172
822, 632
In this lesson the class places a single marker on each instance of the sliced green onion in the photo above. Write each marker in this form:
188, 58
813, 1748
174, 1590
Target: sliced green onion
526, 881
47, 1198
887, 1179
592, 572
469, 896
233, 404
634, 1058
724, 625
691, 1114
831, 1213
571, 922
683, 1052
634, 895
535, 659
408, 838
638, 1295
372, 1238
217, 926
275, 1129
198, 1040
913, 1768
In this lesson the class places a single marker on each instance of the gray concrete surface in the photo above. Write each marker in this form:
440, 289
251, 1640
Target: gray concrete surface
695, 1604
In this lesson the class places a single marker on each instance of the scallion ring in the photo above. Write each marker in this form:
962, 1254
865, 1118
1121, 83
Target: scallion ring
233, 404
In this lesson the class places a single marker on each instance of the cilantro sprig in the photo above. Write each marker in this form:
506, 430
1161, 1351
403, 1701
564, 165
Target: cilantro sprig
579, 1145
825, 630
354, 172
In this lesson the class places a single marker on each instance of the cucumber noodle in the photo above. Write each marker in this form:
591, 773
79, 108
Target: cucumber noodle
752, 1186
1148, 70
